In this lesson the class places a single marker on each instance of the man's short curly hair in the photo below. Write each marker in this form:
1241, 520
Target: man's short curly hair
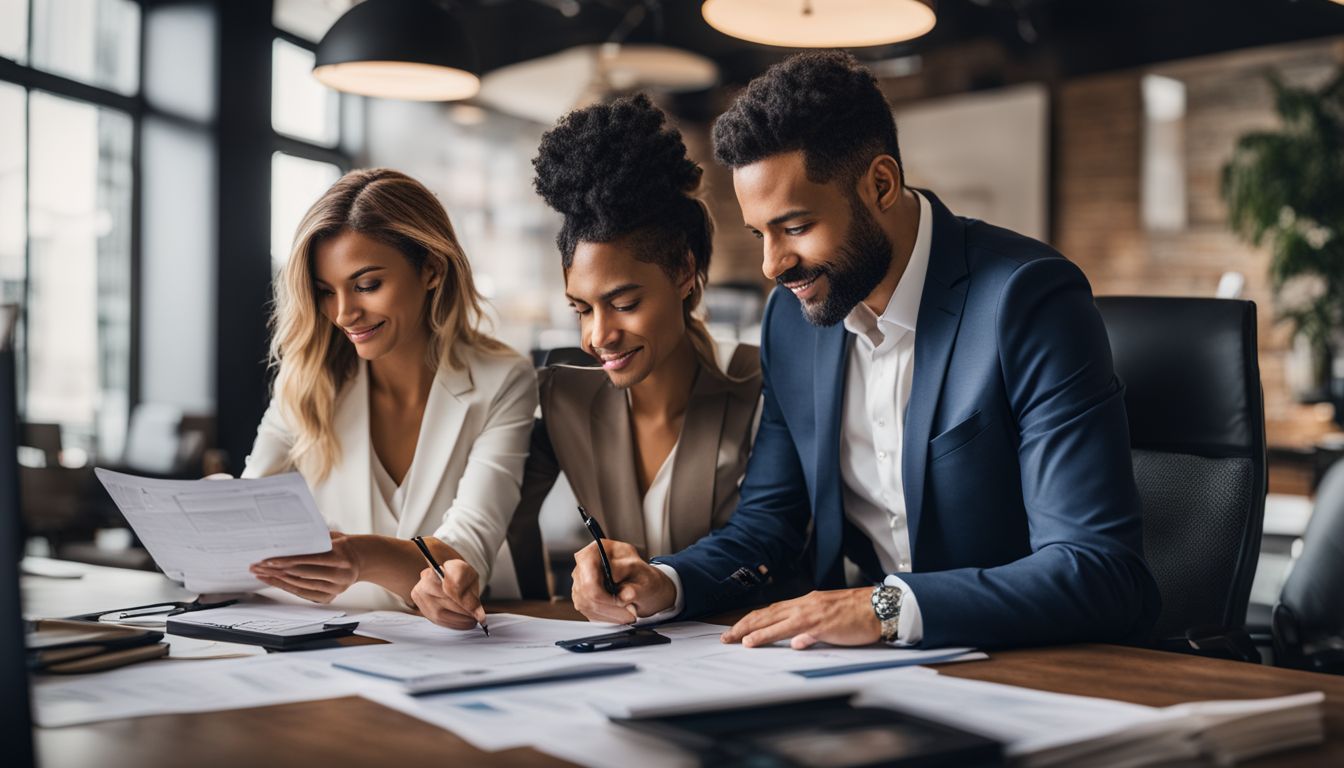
825, 103
619, 169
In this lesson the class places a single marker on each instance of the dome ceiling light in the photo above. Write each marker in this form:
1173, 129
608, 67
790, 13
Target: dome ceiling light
820, 23
398, 49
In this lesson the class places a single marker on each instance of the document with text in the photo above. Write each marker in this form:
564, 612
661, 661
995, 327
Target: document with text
205, 533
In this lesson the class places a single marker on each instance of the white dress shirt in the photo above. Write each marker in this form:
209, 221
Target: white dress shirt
877, 388
657, 516
881, 367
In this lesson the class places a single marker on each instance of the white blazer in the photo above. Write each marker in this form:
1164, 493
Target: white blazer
464, 481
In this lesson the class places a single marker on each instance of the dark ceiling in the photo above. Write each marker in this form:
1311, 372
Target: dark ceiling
1073, 37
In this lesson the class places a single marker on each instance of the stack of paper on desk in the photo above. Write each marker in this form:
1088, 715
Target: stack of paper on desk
1233, 731
1043, 730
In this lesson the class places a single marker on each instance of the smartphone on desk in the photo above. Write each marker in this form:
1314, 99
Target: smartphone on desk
626, 638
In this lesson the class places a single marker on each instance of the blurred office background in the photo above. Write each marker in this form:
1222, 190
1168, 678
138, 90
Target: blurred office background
155, 157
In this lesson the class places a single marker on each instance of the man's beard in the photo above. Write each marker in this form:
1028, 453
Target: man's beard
864, 259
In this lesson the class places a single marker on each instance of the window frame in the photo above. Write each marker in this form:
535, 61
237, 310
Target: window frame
293, 146
135, 107
310, 150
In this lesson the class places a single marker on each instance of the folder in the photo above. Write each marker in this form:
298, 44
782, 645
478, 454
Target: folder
63, 646
813, 732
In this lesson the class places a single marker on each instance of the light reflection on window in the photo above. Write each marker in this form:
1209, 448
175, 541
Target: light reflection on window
93, 41
296, 183
79, 301
301, 106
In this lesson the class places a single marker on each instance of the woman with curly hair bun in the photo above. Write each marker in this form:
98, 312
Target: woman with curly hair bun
404, 417
655, 441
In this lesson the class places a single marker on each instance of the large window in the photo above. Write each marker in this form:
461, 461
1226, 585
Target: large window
306, 118
67, 196
92, 41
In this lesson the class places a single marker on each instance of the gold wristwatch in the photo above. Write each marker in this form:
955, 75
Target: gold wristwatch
887, 605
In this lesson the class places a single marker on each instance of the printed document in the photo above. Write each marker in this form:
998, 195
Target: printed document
163, 687
205, 533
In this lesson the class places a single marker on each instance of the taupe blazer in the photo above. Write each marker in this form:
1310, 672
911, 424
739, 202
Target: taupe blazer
585, 432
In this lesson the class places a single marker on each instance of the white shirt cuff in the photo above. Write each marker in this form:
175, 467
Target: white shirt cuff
677, 606
910, 627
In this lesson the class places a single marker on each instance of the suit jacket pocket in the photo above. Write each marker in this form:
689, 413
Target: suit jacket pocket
963, 433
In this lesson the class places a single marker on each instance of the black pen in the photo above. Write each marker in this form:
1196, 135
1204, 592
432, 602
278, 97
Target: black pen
429, 558
595, 529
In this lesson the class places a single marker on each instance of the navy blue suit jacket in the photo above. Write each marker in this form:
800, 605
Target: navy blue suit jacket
1023, 516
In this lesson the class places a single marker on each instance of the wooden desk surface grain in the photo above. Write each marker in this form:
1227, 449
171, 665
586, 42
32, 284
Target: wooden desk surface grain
352, 731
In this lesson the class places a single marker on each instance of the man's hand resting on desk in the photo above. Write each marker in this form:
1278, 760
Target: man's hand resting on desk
319, 577
835, 616
641, 589
455, 601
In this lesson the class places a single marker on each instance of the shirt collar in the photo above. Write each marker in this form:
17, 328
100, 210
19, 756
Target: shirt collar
903, 307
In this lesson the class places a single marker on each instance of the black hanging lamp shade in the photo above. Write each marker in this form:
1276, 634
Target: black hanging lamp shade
398, 49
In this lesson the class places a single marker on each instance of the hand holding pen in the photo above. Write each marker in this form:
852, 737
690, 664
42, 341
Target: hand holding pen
447, 594
612, 581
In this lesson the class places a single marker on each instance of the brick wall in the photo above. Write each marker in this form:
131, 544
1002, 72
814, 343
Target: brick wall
1098, 133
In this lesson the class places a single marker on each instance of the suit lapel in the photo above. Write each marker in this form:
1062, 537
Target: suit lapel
348, 502
695, 467
621, 513
440, 428
828, 382
940, 308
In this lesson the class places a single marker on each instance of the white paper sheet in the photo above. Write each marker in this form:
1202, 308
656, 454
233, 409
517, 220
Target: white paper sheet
162, 687
507, 630
1025, 719
194, 649
521, 638
205, 533
269, 618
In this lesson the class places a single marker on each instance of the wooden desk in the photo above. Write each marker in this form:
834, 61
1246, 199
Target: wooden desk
352, 731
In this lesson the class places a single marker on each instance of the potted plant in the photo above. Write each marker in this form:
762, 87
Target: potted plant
1285, 188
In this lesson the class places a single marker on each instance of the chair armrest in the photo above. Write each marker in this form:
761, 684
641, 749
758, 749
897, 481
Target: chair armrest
1223, 642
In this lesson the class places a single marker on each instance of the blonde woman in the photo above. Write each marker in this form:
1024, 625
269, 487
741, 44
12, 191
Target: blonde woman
402, 415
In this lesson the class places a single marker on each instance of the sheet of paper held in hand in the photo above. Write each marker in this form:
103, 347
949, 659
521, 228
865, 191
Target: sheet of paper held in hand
205, 533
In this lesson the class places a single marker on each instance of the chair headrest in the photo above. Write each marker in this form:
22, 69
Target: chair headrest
1191, 372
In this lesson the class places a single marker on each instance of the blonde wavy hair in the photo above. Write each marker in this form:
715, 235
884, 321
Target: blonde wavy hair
313, 359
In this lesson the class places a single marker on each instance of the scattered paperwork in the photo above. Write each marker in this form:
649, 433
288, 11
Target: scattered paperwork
165, 687
1039, 729
205, 533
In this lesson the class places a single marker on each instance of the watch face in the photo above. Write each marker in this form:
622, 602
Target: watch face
886, 600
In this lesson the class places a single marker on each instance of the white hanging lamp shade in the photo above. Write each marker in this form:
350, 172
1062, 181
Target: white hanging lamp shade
820, 23
398, 49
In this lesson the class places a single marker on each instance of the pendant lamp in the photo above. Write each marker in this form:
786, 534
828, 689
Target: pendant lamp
398, 49
820, 23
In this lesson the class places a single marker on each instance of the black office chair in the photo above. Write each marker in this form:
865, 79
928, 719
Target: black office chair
1197, 433
533, 565
1308, 621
